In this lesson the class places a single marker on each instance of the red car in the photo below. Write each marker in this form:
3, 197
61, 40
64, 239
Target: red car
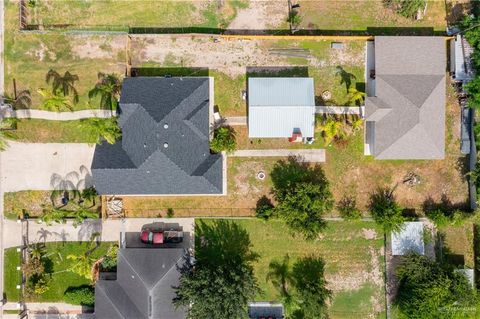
156, 235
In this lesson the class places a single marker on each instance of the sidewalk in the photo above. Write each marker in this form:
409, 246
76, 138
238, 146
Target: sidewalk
304, 155
236, 120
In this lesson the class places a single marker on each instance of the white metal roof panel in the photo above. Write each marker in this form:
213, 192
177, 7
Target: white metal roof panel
281, 92
409, 239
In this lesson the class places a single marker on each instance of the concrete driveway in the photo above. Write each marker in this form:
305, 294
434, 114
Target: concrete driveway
36, 166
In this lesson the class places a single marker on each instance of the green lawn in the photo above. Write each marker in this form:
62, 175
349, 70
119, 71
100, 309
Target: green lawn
11, 277
46, 131
29, 56
57, 267
350, 255
121, 14
361, 15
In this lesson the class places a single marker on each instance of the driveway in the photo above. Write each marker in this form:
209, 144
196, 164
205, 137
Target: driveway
35, 166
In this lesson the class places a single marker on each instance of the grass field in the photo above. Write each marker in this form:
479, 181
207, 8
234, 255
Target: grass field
364, 14
458, 242
29, 56
11, 277
121, 14
58, 270
352, 252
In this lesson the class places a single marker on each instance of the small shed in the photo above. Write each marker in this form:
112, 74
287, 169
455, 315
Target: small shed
281, 107
262, 309
409, 239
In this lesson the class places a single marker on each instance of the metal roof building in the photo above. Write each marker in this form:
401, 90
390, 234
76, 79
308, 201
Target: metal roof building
279, 107
409, 239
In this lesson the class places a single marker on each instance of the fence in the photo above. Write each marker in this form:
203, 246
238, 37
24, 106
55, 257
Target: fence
472, 163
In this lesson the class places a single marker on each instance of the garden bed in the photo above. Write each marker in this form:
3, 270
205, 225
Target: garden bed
57, 269
353, 255
34, 202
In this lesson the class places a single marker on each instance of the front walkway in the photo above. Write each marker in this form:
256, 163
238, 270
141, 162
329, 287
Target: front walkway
303, 155
339, 110
37, 166
235, 120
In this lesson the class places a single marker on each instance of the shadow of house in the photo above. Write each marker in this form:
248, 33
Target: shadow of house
169, 71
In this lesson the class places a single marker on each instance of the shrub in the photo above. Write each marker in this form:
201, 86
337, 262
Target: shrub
109, 261
82, 295
223, 140
406, 8
264, 209
438, 217
347, 207
170, 213
385, 210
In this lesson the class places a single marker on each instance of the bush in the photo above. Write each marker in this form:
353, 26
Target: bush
82, 295
109, 262
264, 209
347, 207
406, 8
438, 217
223, 140
170, 213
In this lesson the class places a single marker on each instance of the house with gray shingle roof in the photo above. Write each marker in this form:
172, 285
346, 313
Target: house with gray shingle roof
406, 117
144, 286
164, 149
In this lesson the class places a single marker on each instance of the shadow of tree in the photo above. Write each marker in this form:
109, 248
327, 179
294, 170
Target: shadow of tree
345, 77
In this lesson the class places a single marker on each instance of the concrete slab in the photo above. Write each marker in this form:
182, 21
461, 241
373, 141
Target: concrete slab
306, 155
31, 166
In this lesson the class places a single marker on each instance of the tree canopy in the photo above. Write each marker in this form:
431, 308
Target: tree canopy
428, 289
220, 282
385, 210
303, 196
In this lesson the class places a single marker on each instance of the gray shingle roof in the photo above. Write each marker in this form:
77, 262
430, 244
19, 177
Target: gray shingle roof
408, 110
164, 147
144, 285
279, 106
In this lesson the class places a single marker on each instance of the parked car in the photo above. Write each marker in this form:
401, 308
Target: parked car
154, 234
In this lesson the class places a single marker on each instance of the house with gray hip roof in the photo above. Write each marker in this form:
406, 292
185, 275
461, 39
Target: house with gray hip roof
144, 287
281, 107
405, 119
164, 149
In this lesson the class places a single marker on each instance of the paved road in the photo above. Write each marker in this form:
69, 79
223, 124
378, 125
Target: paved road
304, 155
31, 166
56, 116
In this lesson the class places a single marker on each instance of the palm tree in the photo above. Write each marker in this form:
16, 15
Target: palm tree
4, 134
53, 215
54, 101
345, 77
280, 275
356, 96
83, 265
331, 129
22, 101
89, 194
102, 129
37, 250
63, 83
108, 87
62, 184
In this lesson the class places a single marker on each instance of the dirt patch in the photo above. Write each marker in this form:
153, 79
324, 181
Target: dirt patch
261, 15
369, 233
354, 280
88, 47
